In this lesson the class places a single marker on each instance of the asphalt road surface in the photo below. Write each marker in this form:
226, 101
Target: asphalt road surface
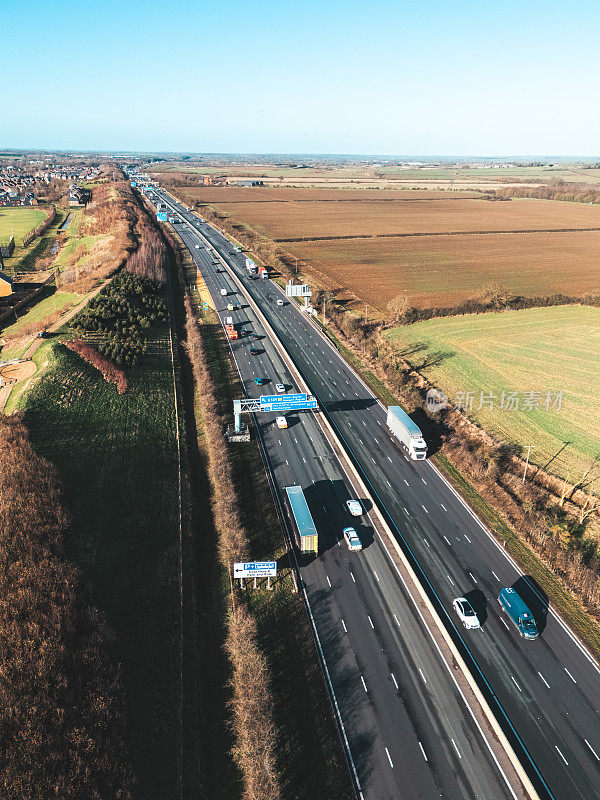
546, 693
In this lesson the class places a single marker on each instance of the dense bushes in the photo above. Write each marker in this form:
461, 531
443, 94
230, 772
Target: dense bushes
61, 712
128, 305
110, 373
559, 190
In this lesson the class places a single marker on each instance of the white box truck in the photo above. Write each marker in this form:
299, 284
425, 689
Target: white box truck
407, 432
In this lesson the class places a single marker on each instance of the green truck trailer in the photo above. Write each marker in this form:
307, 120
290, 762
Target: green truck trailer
518, 612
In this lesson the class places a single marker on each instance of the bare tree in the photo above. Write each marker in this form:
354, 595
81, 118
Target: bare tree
398, 306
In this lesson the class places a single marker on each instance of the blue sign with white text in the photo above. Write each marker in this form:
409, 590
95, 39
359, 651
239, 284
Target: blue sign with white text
282, 398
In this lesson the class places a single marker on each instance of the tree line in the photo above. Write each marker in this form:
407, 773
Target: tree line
62, 722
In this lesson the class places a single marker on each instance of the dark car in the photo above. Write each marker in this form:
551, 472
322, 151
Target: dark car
254, 352
256, 337
259, 381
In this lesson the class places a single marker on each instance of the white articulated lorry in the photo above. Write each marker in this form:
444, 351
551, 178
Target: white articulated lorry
407, 432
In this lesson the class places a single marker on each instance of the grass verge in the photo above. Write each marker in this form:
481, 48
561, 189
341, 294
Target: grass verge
117, 458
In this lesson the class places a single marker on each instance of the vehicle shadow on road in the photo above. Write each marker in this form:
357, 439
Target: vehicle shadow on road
534, 597
477, 600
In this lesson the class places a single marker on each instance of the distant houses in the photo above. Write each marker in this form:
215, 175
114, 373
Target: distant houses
79, 196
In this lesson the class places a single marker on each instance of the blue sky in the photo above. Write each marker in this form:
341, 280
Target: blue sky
428, 78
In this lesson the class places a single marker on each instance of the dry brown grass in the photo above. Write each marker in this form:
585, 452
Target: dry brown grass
61, 709
111, 216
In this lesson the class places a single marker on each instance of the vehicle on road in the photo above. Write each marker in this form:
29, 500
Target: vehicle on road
224, 292
352, 539
197, 247
354, 507
230, 307
519, 613
256, 337
307, 536
466, 613
231, 332
254, 352
281, 422
407, 432
280, 302
279, 387
259, 381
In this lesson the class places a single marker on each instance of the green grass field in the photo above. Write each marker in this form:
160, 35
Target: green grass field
21, 219
58, 301
25, 259
535, 350
117, 458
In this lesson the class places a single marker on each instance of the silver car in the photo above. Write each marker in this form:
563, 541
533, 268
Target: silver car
352, 540
354, 507
466, 613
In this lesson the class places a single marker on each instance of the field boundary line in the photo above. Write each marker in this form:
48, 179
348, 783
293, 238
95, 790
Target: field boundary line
413, 234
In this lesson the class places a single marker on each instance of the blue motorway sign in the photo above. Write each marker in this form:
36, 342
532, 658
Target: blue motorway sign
255, 569
289, 405
280, 398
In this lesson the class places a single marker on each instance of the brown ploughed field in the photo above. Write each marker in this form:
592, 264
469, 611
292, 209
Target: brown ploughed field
440, 248
444, 270
284, 221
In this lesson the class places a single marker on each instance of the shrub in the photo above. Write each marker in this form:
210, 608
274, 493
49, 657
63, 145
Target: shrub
109, 372
61, 710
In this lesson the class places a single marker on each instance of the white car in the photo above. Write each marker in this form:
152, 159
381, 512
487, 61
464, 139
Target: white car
281, 423
466, 613
352, 540
224, 292
279, 387
280, 302
197, 247
354, 507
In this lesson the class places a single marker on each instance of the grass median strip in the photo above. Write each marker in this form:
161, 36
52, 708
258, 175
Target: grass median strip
304, 728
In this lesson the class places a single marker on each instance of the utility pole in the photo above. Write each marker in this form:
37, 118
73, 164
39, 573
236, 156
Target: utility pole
529, 447
365, 313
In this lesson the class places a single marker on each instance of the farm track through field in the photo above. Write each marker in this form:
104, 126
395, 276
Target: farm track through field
433, 233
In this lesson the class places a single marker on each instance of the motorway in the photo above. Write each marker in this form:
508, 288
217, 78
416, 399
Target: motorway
546, 693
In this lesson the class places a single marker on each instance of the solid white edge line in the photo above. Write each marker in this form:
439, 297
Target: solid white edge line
423, 751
